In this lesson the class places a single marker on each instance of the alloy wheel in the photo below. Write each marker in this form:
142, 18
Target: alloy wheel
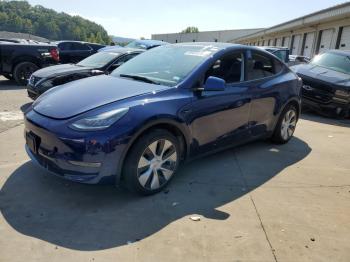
157, 164
288, 124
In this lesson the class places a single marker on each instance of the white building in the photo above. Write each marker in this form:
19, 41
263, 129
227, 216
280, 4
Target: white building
206, 36
307, 35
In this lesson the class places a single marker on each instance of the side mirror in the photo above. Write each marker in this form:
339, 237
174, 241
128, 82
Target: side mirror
214, 84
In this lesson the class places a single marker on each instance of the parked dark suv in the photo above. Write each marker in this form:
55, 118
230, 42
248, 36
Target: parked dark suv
75, 51
326, 79
103, 62
18, 61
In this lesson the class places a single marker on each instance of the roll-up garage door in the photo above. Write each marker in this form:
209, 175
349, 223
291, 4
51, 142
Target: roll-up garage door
345, 39
279, 42
309, 41
296, 44
326, 40
286, 41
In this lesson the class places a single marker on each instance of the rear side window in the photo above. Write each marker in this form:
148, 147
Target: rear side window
281, 54
64, 46
126, 58
80, 47
260, 66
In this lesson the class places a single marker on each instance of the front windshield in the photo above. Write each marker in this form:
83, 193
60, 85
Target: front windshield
167, 65
336, 62
98, 60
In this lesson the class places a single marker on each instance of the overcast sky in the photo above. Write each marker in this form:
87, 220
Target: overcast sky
142, 18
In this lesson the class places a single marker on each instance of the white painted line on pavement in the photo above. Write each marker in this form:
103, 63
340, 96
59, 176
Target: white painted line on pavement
11, 116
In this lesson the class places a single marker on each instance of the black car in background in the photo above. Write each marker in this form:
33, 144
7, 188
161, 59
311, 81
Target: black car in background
326, 82
19, 60
75, 51
298, 59
145, 44
102, 62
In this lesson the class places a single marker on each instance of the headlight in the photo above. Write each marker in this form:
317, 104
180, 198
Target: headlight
99, 122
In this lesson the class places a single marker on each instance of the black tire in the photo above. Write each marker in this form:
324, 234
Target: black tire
278, 136
23, 71
131, 170
8, 76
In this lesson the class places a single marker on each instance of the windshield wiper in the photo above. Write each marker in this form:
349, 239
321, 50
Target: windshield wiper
140, 78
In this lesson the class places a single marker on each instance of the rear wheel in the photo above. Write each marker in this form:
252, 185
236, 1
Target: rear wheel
23, 71
286, 125
151, 162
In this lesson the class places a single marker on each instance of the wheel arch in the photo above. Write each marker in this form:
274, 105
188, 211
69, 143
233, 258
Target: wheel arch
295, 102
22, 59
174, 127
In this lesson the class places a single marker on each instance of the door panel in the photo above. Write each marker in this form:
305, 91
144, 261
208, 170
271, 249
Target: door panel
286, 42
345, 39
326, 40
309, 42
264, 89
296, 44
220, 118
262, 108
279, 42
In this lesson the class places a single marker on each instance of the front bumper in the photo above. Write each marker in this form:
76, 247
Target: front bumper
324, 97
80, 159
61, 168
333, 106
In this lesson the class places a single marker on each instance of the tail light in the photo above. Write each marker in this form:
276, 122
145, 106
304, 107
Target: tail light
54, 54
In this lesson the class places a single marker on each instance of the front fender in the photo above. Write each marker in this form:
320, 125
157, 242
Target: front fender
147, 125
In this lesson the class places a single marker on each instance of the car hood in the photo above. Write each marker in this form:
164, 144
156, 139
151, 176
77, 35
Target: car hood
58, 70
77, 97
323, 74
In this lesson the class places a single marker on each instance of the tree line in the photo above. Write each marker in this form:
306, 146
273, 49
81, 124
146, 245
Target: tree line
21, 17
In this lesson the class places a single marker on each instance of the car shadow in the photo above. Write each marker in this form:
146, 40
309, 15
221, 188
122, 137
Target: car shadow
9, 85
315, 117
97, 217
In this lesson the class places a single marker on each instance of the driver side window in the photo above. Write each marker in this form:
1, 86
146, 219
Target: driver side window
229, 68
125, 58
121, 61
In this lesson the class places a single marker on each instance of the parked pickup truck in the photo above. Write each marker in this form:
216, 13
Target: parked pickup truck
18, 61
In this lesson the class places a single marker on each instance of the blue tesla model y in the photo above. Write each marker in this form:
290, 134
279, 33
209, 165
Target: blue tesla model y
168, 105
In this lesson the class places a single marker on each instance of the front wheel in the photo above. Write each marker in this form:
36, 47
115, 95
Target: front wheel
23, 71
286, 125
151, 162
